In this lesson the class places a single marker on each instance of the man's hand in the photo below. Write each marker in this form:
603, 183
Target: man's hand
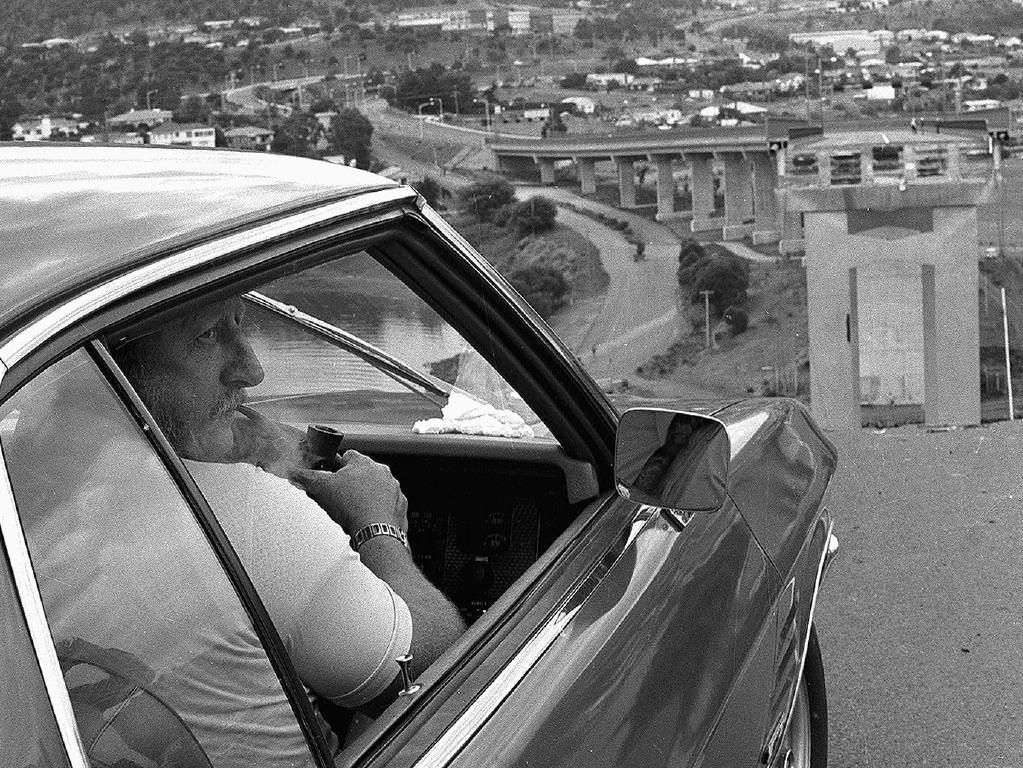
265, 443
359, 493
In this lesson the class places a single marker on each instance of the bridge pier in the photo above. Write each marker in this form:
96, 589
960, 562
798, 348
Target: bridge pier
665, 187
738, 197
701, 172
765, 206
547, 175
585, 170
626, 182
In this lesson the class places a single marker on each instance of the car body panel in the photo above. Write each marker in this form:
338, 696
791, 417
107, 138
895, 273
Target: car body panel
780, 477
640, 673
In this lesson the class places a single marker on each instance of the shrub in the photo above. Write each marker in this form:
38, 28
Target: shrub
532, 216
484, 198
737, 319
542, 286
690, 253
430, 189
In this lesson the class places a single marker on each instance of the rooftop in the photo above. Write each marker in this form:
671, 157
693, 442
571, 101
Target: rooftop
71, 215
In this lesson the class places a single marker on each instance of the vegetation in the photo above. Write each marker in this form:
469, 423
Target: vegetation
718, 270
546, 263
298, 135
484, 198
351, 135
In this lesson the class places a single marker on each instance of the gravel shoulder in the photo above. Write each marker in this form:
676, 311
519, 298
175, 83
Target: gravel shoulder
920, 620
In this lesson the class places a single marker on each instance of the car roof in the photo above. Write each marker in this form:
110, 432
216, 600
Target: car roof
74, 215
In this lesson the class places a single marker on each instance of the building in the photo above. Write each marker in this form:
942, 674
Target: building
249, 137
606, 80
148, 118
44, 128
185, 135
841, 40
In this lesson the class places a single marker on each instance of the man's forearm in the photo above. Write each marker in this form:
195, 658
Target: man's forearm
436, 623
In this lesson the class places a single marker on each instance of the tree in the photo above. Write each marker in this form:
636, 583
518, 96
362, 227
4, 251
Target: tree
351, 135
727, 276
192, 110
297, 135
893, 55
542, 285
482, 199
533, 216
430, 189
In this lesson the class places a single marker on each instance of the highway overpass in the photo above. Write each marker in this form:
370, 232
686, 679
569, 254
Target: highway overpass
749, 160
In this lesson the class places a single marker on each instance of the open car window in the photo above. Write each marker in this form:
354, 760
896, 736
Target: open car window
392, 360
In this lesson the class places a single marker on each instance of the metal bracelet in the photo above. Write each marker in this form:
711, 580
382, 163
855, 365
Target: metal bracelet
378, 529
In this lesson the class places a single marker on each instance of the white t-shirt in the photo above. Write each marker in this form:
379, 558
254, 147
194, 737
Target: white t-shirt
341, 624
123, 566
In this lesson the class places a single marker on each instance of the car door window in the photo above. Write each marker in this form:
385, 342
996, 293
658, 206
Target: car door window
28, 731
162, 663
360, 297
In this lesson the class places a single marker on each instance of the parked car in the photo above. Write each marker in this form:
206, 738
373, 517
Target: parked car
639, 578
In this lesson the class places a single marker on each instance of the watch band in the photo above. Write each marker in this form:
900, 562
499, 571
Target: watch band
378, 529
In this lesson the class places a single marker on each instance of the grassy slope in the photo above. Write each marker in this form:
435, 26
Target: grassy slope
776, 338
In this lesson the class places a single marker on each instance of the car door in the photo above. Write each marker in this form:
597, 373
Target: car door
159, 653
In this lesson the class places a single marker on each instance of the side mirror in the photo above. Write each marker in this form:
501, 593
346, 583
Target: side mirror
672, 459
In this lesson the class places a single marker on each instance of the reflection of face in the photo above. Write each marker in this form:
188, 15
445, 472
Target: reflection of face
192, 375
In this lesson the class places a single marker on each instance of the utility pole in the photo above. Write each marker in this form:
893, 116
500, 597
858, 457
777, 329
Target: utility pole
1008, 364
806, 84
706, 315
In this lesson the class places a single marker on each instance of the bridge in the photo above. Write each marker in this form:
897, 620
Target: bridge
752, 162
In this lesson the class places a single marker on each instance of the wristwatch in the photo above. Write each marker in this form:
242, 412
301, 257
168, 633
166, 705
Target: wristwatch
378, 529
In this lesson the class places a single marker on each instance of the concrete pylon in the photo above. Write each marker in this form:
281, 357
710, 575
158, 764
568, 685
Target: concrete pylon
547, 177
585, 169
766, 228
665, 187
701, 172
738, 197
626, 182
891, 282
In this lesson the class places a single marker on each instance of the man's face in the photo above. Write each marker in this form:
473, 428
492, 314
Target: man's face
192, 375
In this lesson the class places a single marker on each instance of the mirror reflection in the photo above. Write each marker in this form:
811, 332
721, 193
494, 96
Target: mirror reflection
672, 459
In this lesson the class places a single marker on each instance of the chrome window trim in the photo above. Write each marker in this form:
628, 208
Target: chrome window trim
38, 332
12, 539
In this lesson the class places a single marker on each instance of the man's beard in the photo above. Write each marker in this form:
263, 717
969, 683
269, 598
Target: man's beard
145, 380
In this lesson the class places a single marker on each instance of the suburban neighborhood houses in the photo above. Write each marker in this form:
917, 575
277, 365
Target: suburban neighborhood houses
538, 71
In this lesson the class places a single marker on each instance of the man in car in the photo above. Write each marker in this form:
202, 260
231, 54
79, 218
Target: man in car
344, 615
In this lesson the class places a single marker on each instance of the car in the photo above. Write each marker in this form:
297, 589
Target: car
639, 577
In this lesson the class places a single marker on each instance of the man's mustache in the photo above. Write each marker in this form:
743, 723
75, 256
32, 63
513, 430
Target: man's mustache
228, 403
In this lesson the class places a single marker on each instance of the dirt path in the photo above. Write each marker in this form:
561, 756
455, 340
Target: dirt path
638, 316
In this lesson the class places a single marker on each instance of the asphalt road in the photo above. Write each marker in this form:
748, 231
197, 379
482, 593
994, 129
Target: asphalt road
921, 620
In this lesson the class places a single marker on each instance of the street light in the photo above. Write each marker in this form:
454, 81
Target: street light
421, 119
486, 106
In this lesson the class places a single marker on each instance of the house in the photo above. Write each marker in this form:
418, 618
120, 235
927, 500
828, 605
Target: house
150, 118
975, 105
606, 80
187, 135
249, 137
44, 128
584, 105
